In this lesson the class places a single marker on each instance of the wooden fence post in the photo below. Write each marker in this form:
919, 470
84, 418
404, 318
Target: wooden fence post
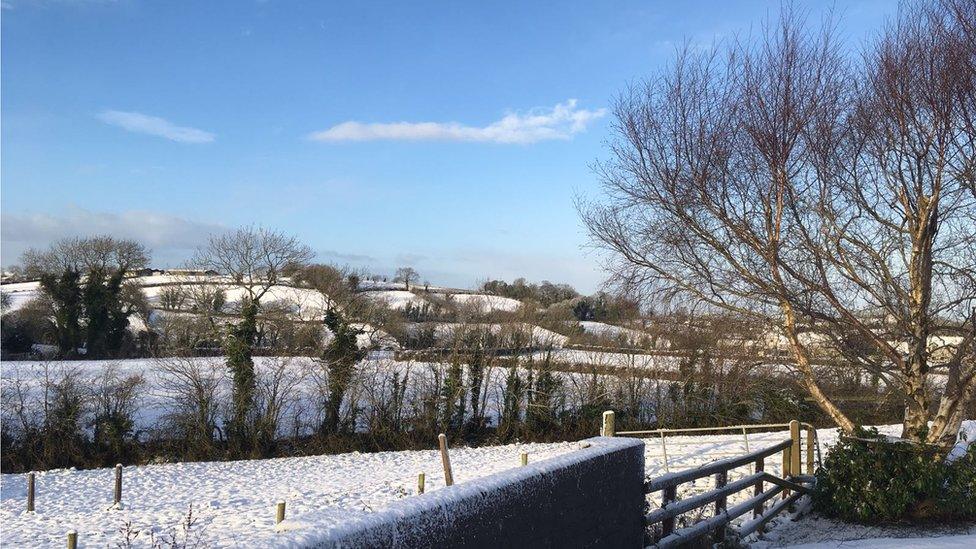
607, 430
721, 479
118, 484
30, 492
445, 460
280, 512
758, 509
524, 458
667, 525
421, 480
811, 439
786, 468
72, 540
795, 449
664, 452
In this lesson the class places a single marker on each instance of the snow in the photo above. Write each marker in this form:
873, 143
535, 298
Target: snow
20, 293
967, 434
659, 362
303, 378
485, 303
611, 331
818, 532
538, 335
395, 299
234, 501
966, 541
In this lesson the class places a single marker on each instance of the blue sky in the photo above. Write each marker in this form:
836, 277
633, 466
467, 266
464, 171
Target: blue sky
449, 136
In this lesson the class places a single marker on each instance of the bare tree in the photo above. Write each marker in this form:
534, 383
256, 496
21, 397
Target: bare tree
254, 259
103, 253
406, 275
785, 184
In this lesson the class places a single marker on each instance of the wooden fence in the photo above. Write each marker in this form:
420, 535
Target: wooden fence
790, 485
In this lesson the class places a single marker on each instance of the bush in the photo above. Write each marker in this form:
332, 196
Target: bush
870, 479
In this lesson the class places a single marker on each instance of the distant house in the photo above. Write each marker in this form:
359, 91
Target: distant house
148, 271
192, 272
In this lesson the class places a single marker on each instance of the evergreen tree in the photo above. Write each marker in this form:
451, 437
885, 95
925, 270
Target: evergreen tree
65, 292
340, 356
238, 345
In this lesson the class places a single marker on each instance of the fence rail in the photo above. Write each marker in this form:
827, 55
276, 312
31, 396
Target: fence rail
811, 442
789, 486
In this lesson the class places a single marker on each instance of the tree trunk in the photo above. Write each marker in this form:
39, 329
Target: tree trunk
808, 379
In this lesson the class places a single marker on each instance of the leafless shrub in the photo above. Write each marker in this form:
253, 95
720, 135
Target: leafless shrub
191, 390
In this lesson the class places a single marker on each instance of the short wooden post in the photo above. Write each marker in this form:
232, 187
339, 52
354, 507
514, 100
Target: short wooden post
445, 460
811, 439
795, 448
721, 479
280, 512
524, 458
118, 484
72, 540
668, 495
607, 430
757, 511
421, 481
664, 452
786, 468
30, 492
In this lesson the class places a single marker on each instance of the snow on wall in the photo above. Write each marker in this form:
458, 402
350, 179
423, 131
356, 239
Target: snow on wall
590, 497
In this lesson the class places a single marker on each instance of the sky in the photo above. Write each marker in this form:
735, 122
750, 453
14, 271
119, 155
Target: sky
452, 137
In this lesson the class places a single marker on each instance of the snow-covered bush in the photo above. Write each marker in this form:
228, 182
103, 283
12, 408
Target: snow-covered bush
868, 478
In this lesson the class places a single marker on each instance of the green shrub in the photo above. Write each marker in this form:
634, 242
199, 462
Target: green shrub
870, 479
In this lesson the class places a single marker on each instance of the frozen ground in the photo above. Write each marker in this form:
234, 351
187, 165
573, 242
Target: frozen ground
233, 502
817, 532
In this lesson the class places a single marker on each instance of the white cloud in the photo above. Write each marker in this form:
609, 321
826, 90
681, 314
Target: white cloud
153, 125
171, 238
541, 124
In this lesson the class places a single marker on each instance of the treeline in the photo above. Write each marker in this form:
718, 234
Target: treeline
192, 408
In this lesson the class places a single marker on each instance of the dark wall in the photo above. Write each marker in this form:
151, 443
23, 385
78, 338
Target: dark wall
592, 497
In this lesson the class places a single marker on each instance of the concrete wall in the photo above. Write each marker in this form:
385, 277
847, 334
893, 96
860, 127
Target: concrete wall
589, 498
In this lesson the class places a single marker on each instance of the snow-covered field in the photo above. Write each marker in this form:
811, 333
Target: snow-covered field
233, 502
616, 332
487, 303
301, 385
395, 299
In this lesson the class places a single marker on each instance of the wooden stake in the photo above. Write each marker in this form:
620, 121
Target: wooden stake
280, 512
30, 492
786, 469
795, 450
757, 511
811, 437
445, 460
524, 457
421, 480
118, 483
72, 540
607, 430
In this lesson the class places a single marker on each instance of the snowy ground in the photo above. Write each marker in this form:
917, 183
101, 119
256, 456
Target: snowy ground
233, 502
688, 452
814, 532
